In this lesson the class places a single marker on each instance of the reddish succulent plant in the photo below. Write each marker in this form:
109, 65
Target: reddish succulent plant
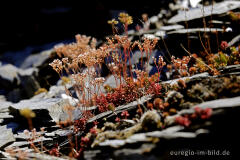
117, 119
155, 88
84, 141
199, 113
80, 124
95, 123
93, 131
150, 106
224, 45
184, 121
203, 113
158, 103
125, 114
54, 151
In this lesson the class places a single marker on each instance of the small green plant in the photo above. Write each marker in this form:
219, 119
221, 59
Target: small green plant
221, 60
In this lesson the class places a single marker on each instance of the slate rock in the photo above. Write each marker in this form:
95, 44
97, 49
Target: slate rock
214, 104
2, 98
32, 155
36, 60
173, 132
91, 154
41, 156
76, 113
9, 76
160, 33
153, 19
18, 83
51, 109
53, 106
112, 82
4, 112
6, 136
195, 30
27, 143
234, 41
171, 27
15, 95
115, 143
4, 105
55, 92
136, 153
28, 81
196, 13
121, 108
230, 69
167, 135
149, 36
139, 137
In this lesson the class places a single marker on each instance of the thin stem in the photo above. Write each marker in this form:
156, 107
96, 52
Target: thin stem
196, 58
166, 47
202, 44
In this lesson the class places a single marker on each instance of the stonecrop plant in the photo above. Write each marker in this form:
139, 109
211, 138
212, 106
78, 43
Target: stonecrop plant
83, 62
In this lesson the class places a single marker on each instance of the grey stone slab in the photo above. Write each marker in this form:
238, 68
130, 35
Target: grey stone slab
196, 13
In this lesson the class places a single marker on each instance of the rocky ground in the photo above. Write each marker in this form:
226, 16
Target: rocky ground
201, 118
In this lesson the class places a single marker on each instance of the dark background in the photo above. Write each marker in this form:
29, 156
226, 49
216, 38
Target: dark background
38, 22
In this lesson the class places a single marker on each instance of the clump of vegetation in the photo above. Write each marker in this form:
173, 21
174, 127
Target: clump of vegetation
80, 64
199, 113
83, 62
